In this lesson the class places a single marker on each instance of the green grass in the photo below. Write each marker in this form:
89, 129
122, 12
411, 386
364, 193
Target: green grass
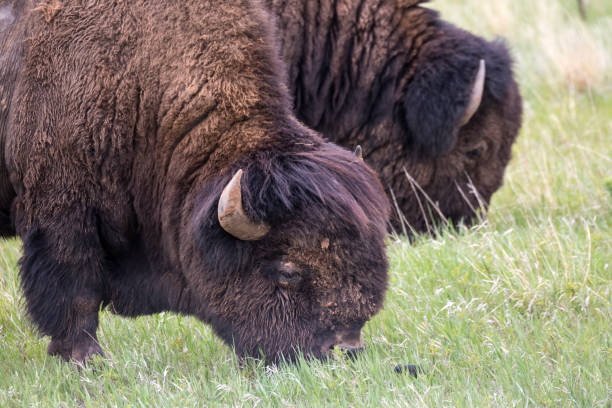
514, 312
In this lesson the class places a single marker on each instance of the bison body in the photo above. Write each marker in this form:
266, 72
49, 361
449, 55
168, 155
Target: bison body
393, 77
153, 163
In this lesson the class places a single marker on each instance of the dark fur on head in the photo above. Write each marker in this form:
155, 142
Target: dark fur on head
437, 95
324, 185
393, 77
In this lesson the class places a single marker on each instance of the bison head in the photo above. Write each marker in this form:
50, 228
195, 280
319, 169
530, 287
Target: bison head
435, 108
445, 144
287, 253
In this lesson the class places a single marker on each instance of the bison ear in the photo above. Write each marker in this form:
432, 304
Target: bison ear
439, 101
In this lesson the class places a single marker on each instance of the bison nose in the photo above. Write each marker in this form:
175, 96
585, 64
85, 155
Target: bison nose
345, 341
349, 342
351, 351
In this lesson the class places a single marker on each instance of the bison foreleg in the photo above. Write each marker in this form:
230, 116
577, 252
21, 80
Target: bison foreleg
63, 291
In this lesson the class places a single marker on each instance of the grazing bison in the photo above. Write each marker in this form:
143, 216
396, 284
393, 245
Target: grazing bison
435, 108
153, 163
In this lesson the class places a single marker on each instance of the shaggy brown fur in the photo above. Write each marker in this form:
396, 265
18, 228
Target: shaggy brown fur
391, 76
127, 120
11, 36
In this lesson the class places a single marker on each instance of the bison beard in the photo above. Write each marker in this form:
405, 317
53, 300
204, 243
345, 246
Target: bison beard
125, 126
392, 77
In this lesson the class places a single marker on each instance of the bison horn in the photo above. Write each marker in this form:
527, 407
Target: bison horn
475, 95
359, 152
232, 217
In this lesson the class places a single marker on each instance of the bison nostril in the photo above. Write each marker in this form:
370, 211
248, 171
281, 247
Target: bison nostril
351, 349
351, 352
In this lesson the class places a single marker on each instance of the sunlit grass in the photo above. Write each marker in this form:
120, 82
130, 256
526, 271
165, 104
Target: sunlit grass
514, 312
553, 46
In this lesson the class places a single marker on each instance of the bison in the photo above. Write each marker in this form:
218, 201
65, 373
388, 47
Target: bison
435, 108
151, 161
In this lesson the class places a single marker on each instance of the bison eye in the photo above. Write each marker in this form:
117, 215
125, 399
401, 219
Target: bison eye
476, 151
283, 274
288, 275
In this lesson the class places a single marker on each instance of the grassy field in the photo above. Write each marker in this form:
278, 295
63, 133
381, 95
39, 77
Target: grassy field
513, 312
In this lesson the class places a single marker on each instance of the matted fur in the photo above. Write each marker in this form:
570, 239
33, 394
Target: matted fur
126, 121
393, 77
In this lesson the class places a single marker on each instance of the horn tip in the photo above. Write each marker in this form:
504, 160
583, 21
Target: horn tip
475, 93
359, 152
237, 175
482, 67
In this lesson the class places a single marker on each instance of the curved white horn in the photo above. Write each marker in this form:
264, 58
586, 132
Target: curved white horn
232, 217
475, 95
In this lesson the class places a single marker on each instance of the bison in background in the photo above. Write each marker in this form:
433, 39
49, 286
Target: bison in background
153, 163
435, 108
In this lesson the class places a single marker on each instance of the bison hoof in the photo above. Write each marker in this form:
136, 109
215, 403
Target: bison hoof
79, 352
